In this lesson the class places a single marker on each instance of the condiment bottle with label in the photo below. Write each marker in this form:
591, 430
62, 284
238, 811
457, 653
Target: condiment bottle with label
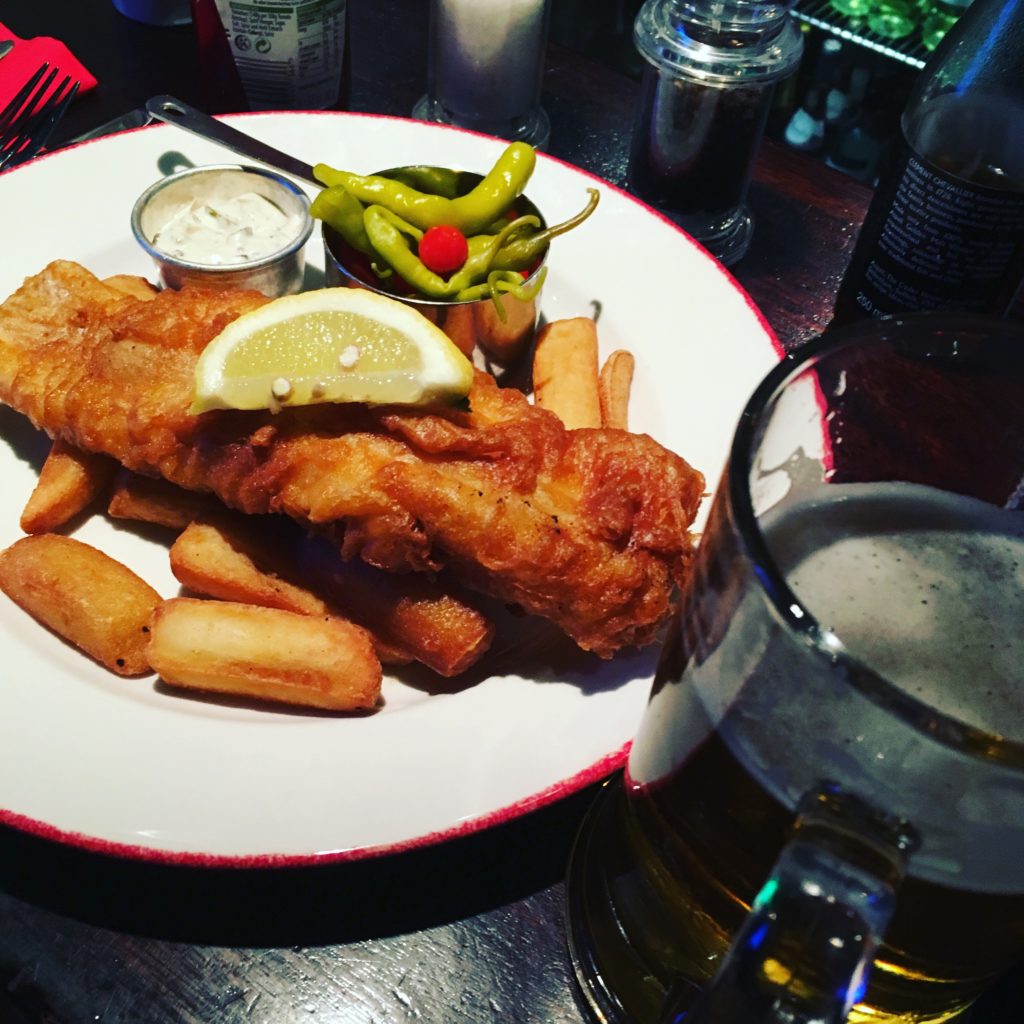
711, 69
273, 54
945, 230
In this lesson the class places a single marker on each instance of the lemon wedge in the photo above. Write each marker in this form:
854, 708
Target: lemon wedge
330, 345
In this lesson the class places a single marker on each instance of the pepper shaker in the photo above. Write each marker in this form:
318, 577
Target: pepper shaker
711, 67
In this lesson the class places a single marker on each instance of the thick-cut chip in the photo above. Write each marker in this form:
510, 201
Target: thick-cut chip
269, 561
565, 372
265, 654
68, 482
148, 500
84, 595
235, 564
410, 618
615, 384
416, 616
211, 559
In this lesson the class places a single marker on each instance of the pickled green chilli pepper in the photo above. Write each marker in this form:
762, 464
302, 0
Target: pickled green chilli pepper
437, 181
389, 233
339, 208
384, 217
525, 251
500, 187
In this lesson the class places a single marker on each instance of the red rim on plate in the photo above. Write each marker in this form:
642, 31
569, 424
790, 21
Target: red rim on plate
89, 761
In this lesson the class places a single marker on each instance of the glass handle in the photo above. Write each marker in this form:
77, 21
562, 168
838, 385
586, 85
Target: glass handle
804, 952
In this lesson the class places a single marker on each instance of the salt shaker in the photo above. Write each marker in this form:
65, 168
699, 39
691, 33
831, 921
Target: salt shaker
707, 86
486, 66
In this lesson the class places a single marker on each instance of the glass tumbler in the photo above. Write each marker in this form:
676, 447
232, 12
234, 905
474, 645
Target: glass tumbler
822, 813
486, 66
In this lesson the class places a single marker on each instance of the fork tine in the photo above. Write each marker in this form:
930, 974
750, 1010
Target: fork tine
40, 91
45, 129
30, 125
32, 115
56, 97
31, 133
9, 112
35, 102
67, 85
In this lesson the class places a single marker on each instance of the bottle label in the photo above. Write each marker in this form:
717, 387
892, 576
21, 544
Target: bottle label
946, 243
289, 53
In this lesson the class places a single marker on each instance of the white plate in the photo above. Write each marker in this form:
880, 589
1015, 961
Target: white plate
125, 766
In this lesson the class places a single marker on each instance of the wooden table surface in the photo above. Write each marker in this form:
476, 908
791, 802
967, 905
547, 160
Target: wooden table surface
469, 931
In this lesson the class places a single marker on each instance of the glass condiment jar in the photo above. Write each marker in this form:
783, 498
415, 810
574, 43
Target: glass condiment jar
706, 91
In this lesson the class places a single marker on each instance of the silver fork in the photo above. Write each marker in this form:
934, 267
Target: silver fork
27, 121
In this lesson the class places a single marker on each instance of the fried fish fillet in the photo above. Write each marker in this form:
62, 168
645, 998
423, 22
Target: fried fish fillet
588, 528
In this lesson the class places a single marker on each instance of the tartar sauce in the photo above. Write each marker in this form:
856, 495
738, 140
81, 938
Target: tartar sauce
228, 230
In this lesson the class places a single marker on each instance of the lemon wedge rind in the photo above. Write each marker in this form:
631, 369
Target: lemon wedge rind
329, 345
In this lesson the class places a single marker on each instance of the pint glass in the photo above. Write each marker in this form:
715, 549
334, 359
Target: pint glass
822, 813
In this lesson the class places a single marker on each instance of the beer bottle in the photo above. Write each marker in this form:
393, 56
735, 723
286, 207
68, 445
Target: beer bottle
945, 230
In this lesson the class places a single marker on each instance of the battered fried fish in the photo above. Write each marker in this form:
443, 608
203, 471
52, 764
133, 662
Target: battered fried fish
588, 528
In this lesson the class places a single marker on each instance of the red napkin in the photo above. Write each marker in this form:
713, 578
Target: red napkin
21, 63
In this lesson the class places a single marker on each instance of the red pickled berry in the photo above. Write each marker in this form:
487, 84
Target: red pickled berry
443, 249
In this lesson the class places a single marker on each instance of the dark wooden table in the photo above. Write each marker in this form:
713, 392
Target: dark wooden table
469, 931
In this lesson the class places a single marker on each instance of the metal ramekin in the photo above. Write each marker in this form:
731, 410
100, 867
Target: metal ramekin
474, 324
278, 273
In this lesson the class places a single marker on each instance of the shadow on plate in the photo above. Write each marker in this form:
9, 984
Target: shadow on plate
342, 902
26, 443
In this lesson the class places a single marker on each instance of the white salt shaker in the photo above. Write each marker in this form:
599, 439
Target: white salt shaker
486, 67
